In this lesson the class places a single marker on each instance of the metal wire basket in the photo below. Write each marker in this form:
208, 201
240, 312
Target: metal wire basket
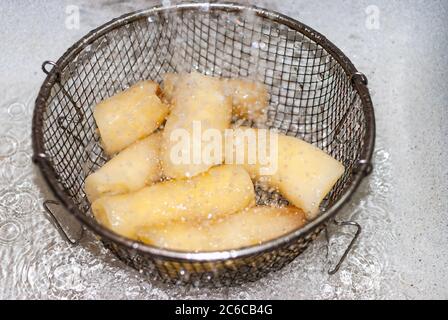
316, 94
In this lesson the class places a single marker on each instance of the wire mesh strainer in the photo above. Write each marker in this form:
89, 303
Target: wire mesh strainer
316, 94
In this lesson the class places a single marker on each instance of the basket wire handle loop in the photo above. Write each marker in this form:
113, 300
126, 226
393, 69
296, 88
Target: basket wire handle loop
359, 76
336, 268
79, 113
64, 91
356, 77
344, 119
58, 226
70, 132
45, 66
364, 166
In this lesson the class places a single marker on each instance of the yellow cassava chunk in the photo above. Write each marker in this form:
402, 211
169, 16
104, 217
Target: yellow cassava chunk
130, 170
168, 85
249, 98
198, 104
129, 116
251, 226
221, 191
304, 174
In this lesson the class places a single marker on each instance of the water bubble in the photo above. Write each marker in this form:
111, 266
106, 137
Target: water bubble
66, 277
10, 231
8, 146
16, 110
21, 159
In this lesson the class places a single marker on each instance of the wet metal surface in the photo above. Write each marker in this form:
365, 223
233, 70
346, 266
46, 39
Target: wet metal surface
402, 253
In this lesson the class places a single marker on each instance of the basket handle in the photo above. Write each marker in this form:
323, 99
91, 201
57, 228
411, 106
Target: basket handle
55, 68
57, 224
358, 227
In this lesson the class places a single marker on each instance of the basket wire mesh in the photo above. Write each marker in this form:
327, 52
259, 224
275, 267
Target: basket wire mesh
316, 95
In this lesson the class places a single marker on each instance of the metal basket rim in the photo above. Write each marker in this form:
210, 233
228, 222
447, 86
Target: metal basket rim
49, 175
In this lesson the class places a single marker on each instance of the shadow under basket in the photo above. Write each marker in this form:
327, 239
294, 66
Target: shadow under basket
316, 94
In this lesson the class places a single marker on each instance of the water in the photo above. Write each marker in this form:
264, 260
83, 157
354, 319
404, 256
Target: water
37, 263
